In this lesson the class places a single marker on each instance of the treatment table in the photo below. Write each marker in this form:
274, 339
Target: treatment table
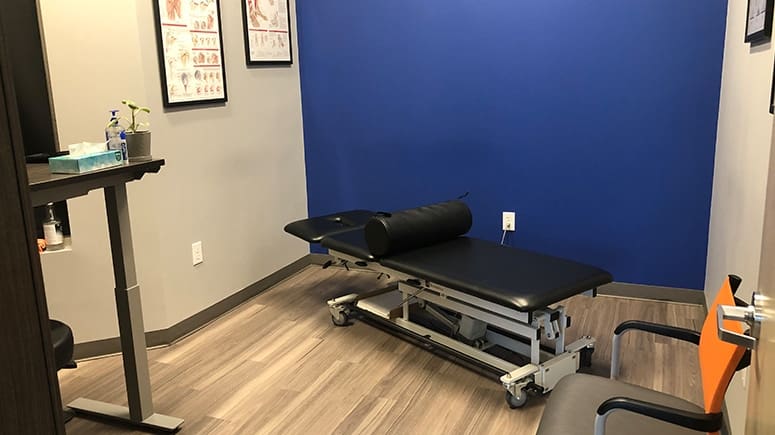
460, 296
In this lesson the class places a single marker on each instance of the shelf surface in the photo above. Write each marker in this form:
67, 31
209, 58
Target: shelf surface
47, 187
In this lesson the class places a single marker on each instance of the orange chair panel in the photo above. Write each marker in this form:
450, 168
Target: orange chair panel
718, 359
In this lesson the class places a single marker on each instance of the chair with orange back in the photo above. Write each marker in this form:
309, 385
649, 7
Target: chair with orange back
585, 404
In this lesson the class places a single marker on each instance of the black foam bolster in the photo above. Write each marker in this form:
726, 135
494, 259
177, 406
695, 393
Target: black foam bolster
392, 233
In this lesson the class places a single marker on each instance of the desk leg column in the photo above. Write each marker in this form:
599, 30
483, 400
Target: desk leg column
130, 322
128, 305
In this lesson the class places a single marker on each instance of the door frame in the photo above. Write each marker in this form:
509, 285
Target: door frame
27, 371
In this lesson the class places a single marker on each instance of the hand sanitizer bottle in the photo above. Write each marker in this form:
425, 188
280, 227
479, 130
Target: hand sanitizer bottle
115, 135
52, 230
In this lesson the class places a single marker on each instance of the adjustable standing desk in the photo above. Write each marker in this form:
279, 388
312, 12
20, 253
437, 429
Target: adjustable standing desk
46, 187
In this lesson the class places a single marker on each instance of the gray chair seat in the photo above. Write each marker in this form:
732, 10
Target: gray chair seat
572, 406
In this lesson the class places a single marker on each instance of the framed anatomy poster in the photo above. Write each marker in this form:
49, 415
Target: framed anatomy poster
267, 32
758, 26
772, 92
188, 34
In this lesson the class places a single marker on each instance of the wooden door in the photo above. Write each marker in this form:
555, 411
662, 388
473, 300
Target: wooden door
760, 417
29, 391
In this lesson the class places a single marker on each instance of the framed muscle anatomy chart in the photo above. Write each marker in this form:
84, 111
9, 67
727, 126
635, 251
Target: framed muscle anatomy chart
190, 44
267, 32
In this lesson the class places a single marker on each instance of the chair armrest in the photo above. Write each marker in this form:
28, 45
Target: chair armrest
654, 328
659, 329
700, 422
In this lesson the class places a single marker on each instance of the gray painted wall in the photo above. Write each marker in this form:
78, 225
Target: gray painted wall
743, 146
234, 175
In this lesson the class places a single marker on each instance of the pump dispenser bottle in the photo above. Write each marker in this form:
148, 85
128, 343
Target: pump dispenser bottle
52, 230
115, 135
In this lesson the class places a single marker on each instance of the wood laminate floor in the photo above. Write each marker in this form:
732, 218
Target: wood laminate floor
276, 364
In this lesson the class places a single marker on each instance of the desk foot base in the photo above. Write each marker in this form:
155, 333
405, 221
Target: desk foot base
120, 414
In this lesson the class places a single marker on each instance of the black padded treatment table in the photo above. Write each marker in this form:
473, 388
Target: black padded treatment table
462, 296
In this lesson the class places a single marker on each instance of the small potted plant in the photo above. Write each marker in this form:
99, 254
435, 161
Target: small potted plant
138, 137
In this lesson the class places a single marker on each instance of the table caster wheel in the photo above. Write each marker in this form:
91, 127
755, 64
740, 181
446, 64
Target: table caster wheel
516, 401
340, 319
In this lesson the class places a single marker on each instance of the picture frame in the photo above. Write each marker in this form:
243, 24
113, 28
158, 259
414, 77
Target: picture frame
189, 38
267, 32
772, 92
758, 25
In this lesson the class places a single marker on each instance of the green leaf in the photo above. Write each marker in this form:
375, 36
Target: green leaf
131, 104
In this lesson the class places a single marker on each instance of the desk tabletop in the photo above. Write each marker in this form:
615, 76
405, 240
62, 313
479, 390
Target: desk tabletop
47, 187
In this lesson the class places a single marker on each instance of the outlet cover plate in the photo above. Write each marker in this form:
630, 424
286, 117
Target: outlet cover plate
197, 257
509, 221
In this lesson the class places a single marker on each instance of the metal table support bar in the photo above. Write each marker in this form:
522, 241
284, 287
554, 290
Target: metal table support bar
128, 304
130, 322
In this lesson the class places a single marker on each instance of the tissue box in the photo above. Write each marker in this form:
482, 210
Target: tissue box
84, 163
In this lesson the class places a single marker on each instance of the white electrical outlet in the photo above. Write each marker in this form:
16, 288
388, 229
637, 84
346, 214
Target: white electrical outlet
196, 253
509, 221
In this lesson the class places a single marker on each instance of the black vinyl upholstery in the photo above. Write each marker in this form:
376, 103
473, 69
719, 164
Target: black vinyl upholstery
515, 278
62, 339
350, 242
424, 244
401, 231
315, 229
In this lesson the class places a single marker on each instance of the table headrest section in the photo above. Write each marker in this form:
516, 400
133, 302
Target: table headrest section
349, 242
401, 231
315, 229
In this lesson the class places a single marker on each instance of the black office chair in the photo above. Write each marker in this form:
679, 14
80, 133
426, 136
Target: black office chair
62, 339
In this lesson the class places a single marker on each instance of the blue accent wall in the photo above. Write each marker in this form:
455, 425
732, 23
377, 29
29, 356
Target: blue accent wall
594, 120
